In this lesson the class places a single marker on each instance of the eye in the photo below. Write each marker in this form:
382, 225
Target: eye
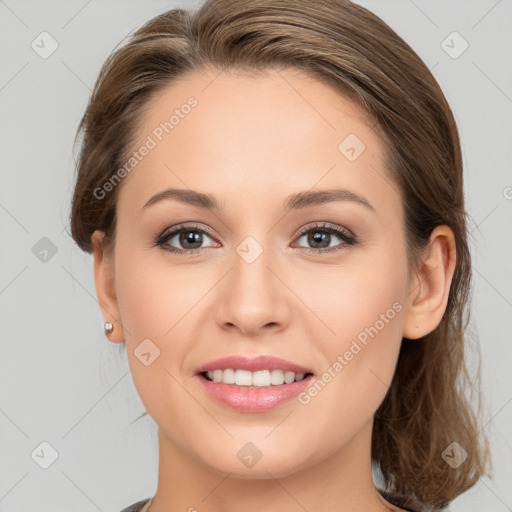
189, 237
320, 237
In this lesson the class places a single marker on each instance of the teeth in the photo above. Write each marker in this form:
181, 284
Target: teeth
243, 378
228, 376
261, 378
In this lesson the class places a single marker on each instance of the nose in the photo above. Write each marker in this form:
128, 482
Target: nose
252, 298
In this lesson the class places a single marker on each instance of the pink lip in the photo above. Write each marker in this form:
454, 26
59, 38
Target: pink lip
252, 399
253, 365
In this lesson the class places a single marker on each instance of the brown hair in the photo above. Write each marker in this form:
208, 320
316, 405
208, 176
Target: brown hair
352, 50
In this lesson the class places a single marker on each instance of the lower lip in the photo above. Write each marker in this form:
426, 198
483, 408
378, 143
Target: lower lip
246, 399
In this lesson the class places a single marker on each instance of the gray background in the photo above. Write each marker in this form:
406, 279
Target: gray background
61, 381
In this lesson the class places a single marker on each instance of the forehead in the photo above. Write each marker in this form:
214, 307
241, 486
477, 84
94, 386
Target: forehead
243, 134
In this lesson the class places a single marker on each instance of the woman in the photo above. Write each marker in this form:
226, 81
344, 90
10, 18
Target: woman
273, 194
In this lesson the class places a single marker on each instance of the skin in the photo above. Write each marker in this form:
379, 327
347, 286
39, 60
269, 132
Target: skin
252, 140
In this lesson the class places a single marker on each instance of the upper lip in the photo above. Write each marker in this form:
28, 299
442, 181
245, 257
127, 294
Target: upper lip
253, 364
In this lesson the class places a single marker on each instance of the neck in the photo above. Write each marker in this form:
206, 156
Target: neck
342, 481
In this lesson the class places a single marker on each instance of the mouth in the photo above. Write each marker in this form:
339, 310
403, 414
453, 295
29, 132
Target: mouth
253, 392
255, 384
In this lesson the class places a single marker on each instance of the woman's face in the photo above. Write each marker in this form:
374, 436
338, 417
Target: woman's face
250, 278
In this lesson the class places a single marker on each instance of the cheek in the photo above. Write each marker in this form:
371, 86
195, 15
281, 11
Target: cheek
364, 307
160, 301
356, 296
153, 294
153, 302
358, 368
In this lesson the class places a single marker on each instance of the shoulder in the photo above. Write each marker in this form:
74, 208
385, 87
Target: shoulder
136, 507
407, 503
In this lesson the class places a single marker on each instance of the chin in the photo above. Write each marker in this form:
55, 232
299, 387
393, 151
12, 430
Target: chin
276, 465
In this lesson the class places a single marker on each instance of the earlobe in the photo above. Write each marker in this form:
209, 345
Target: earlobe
430, 288
105, 287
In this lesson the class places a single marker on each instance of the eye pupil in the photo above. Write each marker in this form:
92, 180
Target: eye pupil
313, 238
191, 237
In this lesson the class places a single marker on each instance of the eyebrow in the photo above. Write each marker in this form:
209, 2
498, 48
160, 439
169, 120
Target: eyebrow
293, 202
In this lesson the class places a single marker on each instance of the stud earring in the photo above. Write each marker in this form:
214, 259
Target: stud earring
108, 328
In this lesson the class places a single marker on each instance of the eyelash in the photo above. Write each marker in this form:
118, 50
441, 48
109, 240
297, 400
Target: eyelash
348, 239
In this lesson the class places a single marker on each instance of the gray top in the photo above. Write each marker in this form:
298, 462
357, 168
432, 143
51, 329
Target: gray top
136, 507
405, 502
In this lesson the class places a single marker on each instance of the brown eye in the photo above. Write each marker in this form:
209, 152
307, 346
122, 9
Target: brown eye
319, 238
188, 238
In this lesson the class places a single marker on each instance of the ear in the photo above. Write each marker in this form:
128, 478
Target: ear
105, 286
430, 286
